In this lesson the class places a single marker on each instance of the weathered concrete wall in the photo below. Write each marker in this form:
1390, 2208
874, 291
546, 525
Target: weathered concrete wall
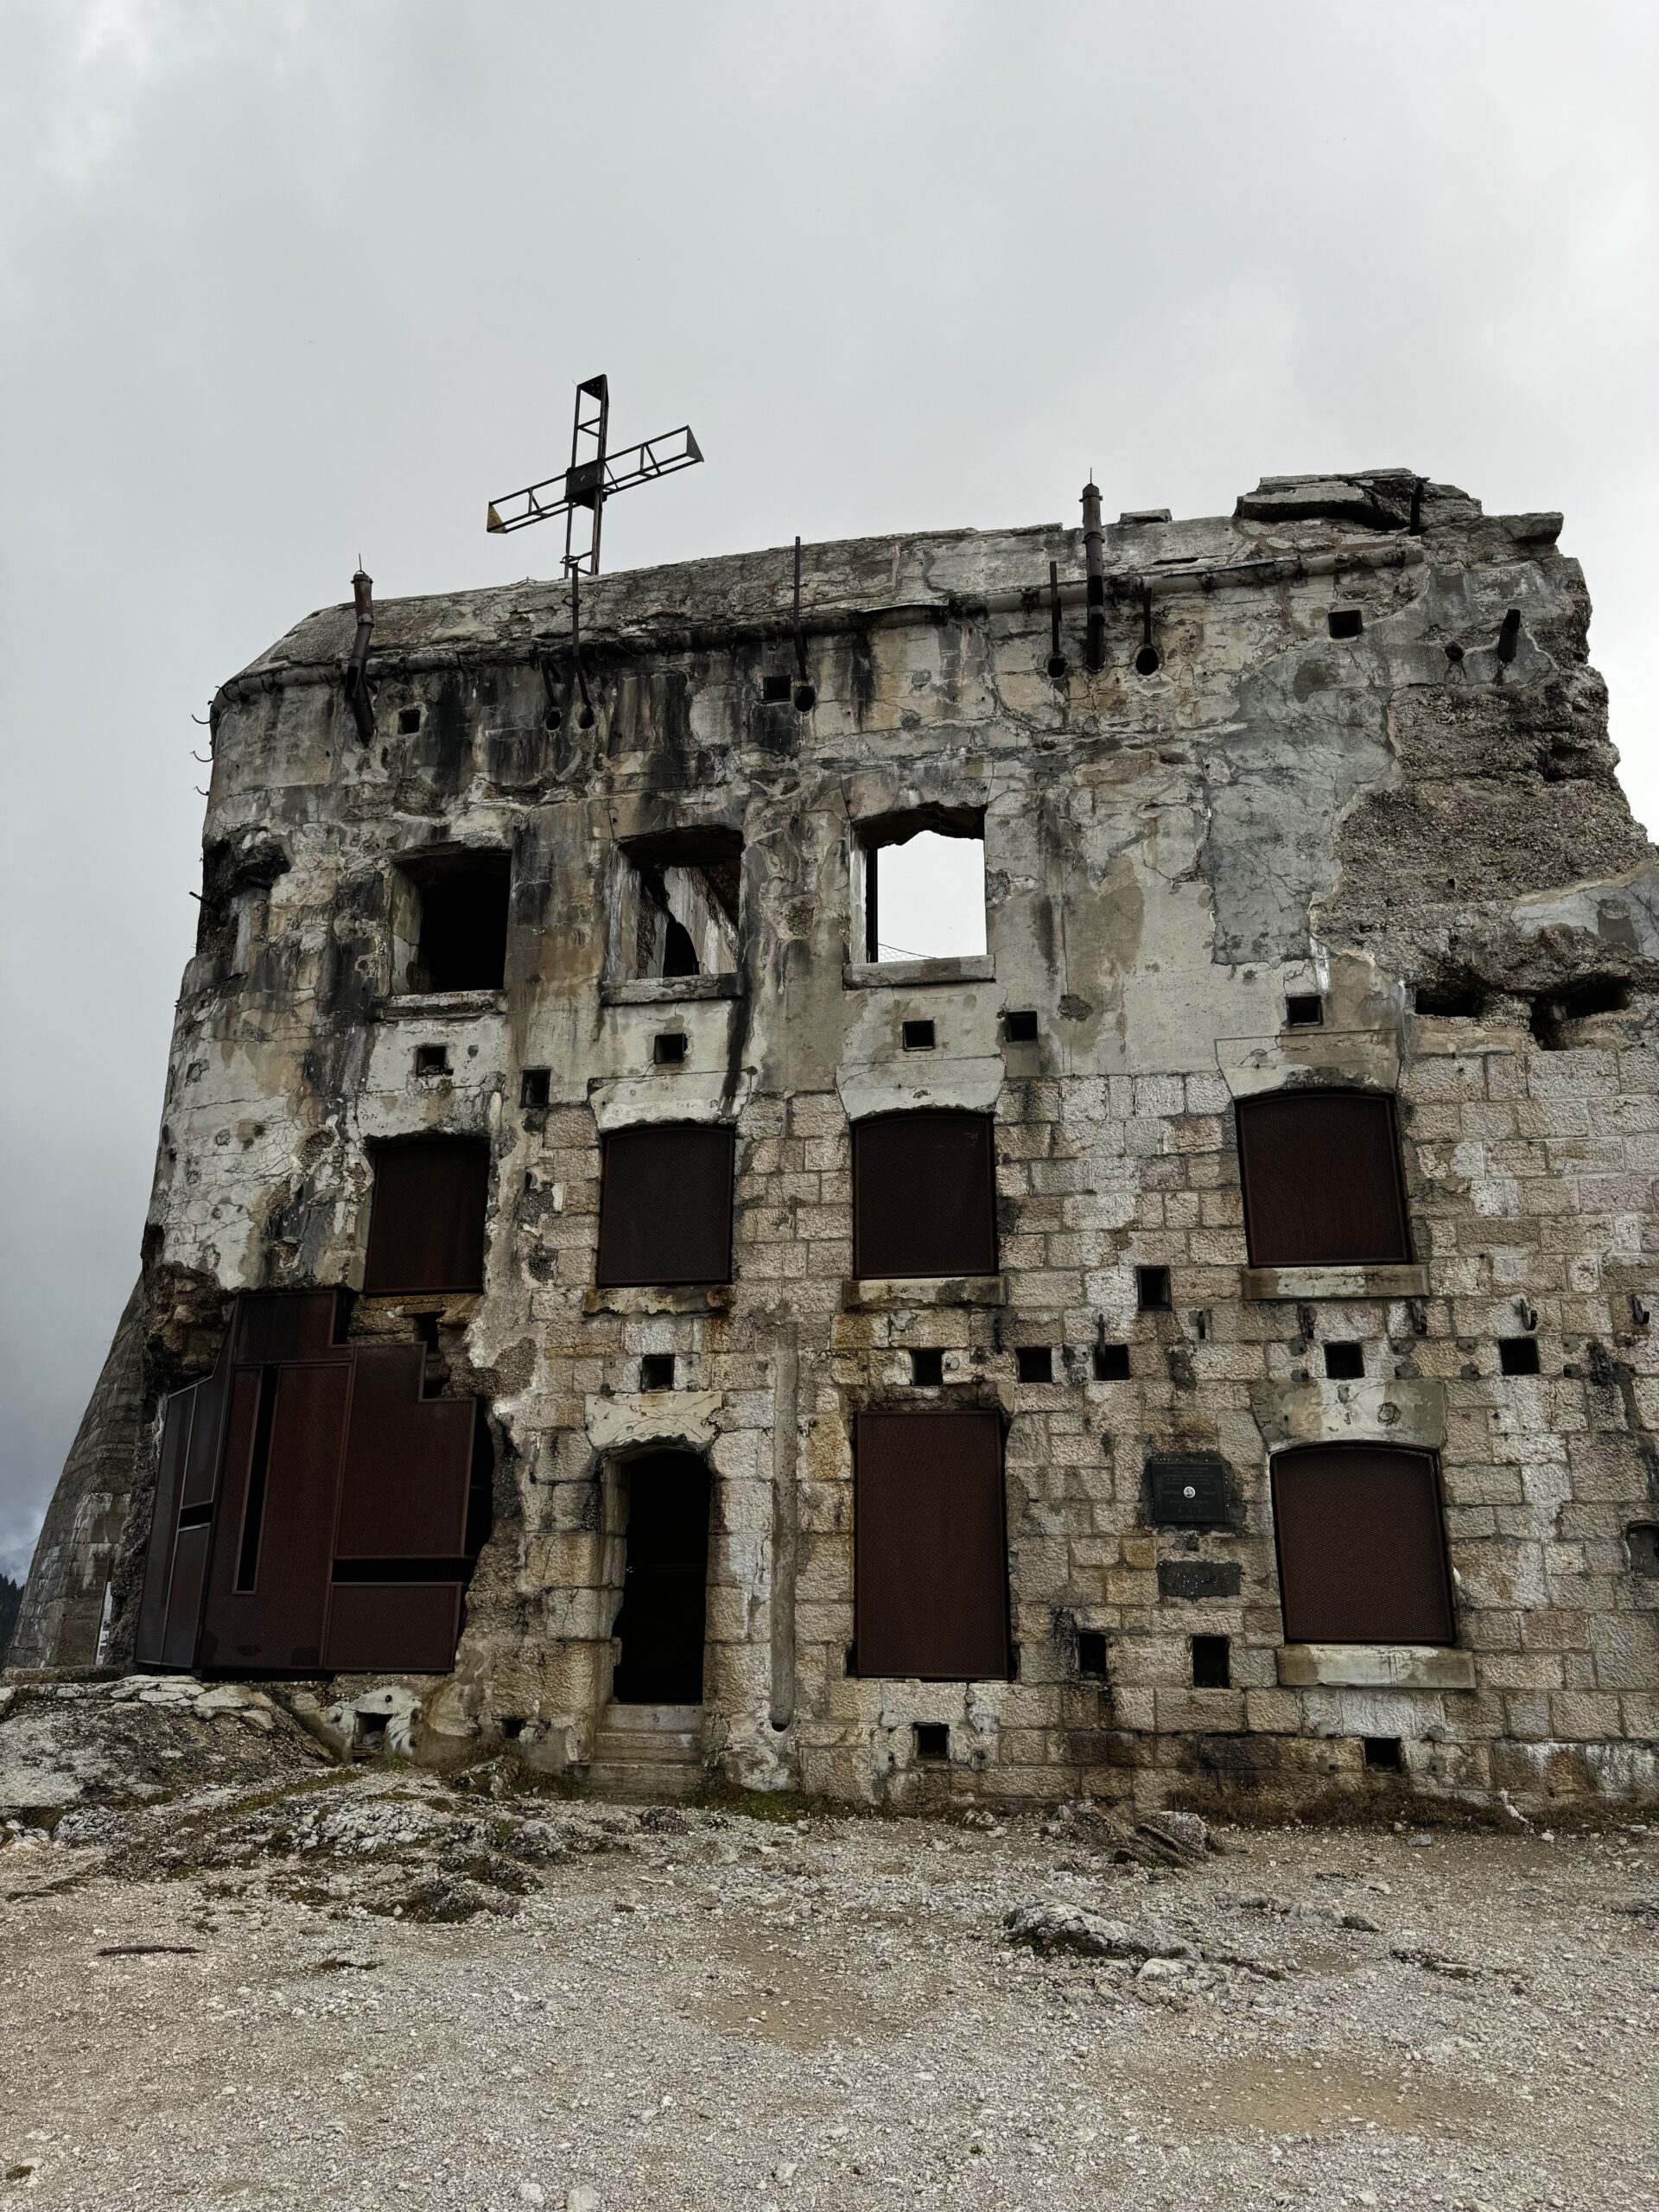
1273, 809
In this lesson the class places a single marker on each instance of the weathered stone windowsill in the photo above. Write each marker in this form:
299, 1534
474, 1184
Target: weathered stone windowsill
913, 975
1407, 1279
440, 1005
887, 1293
1374, 1667
675, 1298
669, 990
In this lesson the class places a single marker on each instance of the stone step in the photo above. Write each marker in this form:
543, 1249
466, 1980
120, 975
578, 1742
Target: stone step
680, 1749
650, 1719
635, 1778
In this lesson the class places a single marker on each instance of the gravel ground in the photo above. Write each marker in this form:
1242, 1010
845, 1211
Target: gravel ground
373, 1988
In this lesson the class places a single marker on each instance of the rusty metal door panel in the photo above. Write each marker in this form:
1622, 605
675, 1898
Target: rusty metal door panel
188, 1582
274, 1541
393, 1626
1362, 1546
426, 1229
1320, 1170
280, 1325
665, 1206
207, 1438
930, 1547
923, 1195
177, 1418
409, 1462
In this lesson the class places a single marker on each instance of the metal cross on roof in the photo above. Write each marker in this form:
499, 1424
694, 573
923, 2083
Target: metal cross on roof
593, 476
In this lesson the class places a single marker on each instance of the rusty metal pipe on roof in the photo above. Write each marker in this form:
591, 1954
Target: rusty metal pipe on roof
1094, 557
357, 678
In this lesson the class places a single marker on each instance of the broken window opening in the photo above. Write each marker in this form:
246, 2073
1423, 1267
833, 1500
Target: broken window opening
1517, 1355
1447, 1001
657, 1370
1152, 1290
675, 911
536, 1087
919, 886
1345, 621
1345, 1363
927, 1369
1212, 1663
450, 921
1036, 1362
1111, 1362
1554, 1014
924, 1196
1320, 1177
668, 1049
1092, 1656
932, 1742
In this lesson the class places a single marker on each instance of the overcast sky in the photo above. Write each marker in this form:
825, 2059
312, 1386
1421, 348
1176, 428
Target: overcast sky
288, 281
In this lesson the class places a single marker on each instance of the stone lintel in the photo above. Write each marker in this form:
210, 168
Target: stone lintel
1374, 1667
1407, 1279
893, 1293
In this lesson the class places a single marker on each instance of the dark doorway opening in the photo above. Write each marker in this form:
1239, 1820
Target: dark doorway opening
661, 1624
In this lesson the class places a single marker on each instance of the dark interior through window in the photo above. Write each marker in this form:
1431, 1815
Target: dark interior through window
463, 943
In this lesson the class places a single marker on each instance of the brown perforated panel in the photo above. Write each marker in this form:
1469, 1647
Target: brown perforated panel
426, 1232
409, 1462
931, 1567
1321, 1179
665, 1208
393, 1626
1362, 1546
924, 1196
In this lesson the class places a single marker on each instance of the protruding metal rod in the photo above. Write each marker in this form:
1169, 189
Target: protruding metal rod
1094, 538
357, 678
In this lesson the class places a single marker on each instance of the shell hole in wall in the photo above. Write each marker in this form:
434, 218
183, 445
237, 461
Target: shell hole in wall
1148, 661
1554, 1014
1448, 1001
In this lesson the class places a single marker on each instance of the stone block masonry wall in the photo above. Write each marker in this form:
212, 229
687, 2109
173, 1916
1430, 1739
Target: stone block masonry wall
1421, 816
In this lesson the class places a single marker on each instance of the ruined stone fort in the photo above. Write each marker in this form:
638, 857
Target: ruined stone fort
1192, 1343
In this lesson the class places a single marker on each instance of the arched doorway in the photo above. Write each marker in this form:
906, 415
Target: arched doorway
660, 1626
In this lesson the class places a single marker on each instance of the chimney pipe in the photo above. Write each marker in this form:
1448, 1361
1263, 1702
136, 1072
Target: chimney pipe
1093, 544
356, 682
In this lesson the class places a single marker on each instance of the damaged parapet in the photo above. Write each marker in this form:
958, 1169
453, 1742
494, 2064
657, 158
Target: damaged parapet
608, 1289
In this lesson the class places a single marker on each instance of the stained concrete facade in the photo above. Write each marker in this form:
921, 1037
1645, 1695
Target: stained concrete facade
1424, 815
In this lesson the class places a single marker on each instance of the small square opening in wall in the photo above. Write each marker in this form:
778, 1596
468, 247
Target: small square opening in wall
1517, 1355
1383, 1751
932, 1742
927, 1369
1212, 1663
1345, 621
1345, 1363
1642, 1541
409, 721
1152, 1293
1304, 1010
431, 1059
668, 1048
1111, 1362
775, 690
1036, 1362
919, 1036
1092, 1656
657, 1370
534, 1086
1019, 1028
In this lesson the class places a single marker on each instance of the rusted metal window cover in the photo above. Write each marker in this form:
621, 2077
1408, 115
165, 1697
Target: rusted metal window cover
931, 1547
1189, 1491
924, 1196
1362, 1546
1320, 1170
393, 1626
665, 1206
426, 1232
409, 1462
